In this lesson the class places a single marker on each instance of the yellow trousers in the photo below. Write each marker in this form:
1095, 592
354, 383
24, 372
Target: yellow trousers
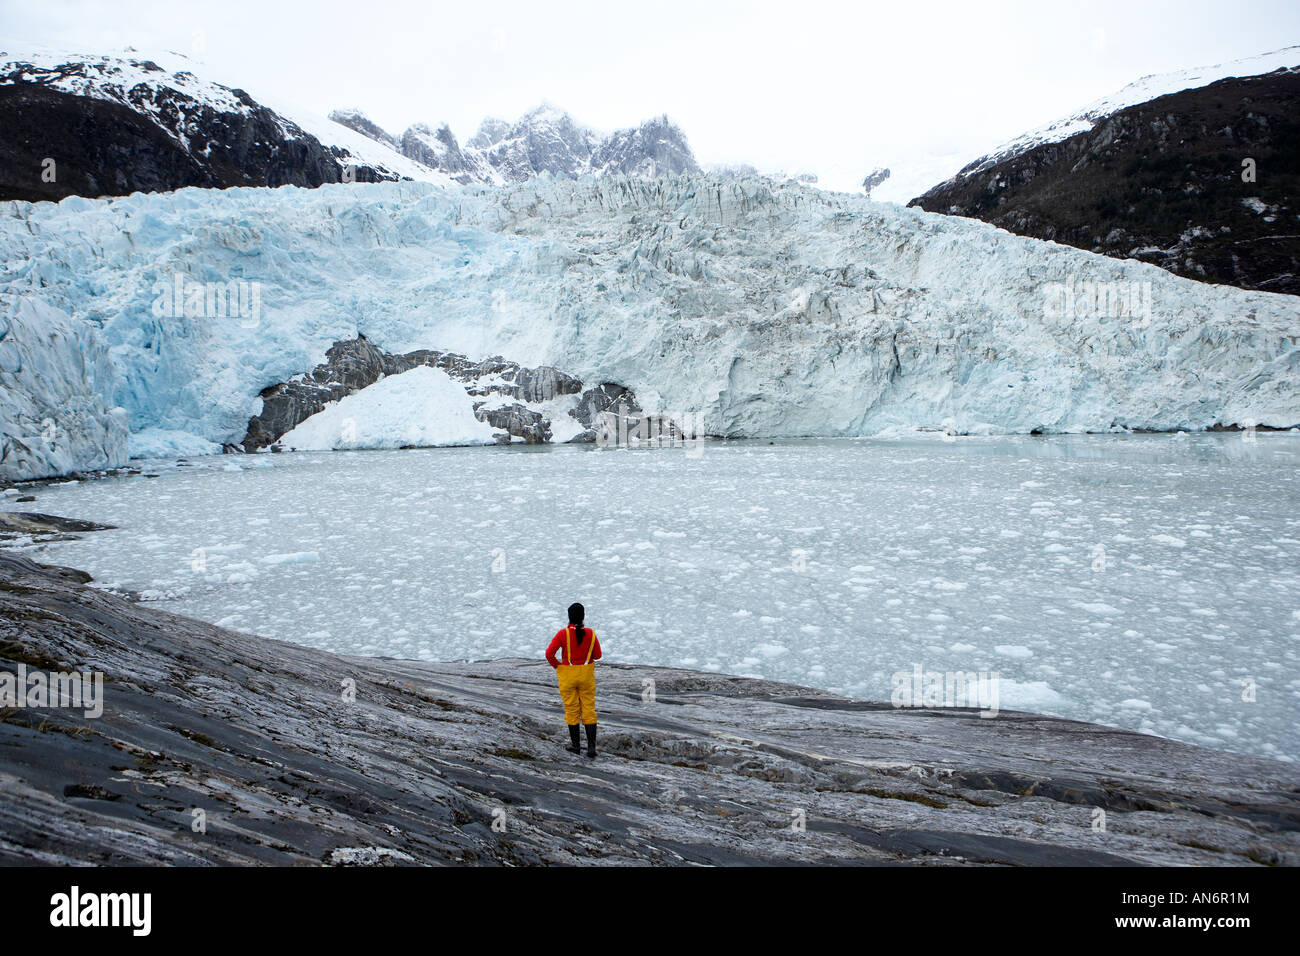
578, 690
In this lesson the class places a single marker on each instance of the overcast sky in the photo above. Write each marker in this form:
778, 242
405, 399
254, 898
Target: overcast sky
828, 88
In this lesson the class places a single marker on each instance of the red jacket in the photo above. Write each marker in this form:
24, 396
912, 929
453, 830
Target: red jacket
590, 644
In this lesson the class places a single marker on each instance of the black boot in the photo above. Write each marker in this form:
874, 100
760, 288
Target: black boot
591, 739
576, 741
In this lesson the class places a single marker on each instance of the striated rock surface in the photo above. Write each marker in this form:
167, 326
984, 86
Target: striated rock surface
436, 763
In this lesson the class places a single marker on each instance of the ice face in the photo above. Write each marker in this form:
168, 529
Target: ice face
765, 310
1146, 582
56, 411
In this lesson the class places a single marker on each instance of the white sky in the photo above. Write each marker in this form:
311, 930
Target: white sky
829, 88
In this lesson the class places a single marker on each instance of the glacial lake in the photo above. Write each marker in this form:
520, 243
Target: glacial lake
1149, 582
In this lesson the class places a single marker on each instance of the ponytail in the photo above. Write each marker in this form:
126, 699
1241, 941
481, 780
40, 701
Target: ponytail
576, 615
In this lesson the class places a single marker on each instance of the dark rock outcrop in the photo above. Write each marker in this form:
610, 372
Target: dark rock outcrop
1162, 181
36, 527
354, 364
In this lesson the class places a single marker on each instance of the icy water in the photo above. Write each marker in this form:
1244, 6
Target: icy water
1147, 582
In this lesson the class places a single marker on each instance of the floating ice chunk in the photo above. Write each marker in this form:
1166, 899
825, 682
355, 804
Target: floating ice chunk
296, 557
1013, 650
1035, 696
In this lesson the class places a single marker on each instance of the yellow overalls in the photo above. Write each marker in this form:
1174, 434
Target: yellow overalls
578, 684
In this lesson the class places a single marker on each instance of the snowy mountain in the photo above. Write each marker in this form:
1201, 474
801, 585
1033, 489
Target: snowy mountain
1193, 171
545, 141
765, 310
95, 125
1143, 90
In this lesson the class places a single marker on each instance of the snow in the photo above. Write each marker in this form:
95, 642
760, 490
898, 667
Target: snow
421, 407
111, 77
369, 856
765, 310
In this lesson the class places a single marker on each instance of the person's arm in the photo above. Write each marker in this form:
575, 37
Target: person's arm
552, 650
595, 650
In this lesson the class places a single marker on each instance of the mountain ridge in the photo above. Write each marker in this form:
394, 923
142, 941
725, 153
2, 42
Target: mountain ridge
545, 140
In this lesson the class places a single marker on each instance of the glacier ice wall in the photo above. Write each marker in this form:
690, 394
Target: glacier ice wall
768, 310
55, 376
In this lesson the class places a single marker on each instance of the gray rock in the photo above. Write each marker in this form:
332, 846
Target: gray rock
358, 122
35, 527
714, 769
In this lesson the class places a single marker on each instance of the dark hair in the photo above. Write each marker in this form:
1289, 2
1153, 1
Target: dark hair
576, 614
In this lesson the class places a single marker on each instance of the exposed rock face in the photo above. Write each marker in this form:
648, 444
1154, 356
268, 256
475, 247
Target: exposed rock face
113, 127
874, 179
545, 140
259, 736
358, 122
357, 363
490, 132
439, 150
1162, 181
655, 148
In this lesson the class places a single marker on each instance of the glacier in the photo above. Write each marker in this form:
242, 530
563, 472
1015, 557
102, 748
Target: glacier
56, 378
758, 308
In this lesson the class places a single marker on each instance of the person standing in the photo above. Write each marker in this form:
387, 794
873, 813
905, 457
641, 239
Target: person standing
573, 653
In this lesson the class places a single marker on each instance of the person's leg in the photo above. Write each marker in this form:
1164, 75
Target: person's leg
588, 700
572, 698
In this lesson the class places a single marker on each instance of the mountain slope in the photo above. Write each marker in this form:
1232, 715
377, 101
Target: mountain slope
90, 125
1164, 180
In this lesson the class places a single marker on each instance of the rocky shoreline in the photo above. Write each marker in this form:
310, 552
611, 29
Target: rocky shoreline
217, 747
